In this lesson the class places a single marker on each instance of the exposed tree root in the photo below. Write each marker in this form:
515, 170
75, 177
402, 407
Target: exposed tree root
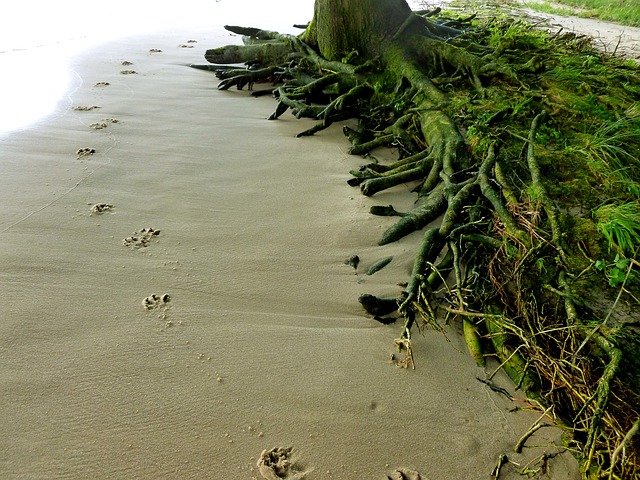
500, 126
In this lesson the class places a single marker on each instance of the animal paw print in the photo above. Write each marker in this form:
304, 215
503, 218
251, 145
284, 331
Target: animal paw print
141, 239
85, 152
100, 208
103, 124
279, 463
85, 108
155, 301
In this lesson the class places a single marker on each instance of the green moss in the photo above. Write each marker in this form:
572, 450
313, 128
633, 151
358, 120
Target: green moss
585, 231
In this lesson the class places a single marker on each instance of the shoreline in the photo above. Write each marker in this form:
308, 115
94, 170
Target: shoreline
35, 49
260, 342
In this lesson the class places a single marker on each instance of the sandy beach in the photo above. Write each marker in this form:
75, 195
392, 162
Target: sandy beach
175, 298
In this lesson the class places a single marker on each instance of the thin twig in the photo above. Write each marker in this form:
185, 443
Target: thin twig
627, 438
537, 425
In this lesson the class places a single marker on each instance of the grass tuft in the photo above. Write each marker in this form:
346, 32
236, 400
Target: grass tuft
620, 225
609, 157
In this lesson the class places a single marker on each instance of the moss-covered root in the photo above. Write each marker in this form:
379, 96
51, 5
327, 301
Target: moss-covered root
540, 188
537, 425
353, 96
264, 54
512, 361
372, 186
432, 244
474, 341
431, 208
603, 391
380, 306
455, 197
247, 77
296, 102
374, 170
510, 225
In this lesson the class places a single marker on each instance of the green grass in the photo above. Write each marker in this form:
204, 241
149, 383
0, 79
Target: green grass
553, 9
625, 12
609, 153
620, 225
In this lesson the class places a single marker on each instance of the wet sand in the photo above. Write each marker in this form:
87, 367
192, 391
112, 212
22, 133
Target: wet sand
175, 298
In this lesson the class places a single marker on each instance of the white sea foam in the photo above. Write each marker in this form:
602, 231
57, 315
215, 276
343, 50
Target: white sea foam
37, 38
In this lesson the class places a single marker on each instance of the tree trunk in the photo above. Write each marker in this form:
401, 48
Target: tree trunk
342, 26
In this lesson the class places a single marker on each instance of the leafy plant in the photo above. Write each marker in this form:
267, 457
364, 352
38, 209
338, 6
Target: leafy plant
547, 134
616, 272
